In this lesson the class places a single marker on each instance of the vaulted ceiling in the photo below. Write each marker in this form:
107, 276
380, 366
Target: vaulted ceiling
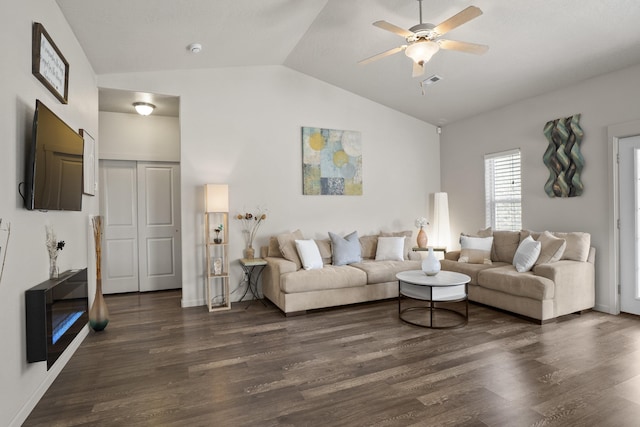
534, 46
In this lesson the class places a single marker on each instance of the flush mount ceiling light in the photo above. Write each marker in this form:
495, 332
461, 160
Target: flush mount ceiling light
143, 108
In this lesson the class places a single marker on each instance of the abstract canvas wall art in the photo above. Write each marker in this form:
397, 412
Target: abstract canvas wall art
563, 157
331, 162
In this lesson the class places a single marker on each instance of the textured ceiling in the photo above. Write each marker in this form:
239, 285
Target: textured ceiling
535, 46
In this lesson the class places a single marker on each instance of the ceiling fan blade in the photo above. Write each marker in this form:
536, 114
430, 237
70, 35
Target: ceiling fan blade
418, 69
393, 28
382, 55
466, 47
456, 20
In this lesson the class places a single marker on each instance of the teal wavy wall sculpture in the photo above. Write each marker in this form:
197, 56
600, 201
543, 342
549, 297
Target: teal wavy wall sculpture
563, 157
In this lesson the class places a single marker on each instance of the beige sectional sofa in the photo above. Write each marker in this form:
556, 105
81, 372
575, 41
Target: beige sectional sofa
295, 290
549, 290
552, 288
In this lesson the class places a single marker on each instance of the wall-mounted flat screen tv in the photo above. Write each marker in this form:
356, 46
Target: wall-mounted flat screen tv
54, 168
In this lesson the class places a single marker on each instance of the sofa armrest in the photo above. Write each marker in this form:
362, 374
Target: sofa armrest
574, 284
280, 265
452, 255
271, 276
264, 251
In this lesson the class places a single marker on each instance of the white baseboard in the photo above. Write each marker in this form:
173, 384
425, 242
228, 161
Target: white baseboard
605, 309
192, 303
52, 374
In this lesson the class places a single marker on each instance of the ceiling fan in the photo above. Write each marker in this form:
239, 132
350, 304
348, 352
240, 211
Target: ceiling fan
424, 39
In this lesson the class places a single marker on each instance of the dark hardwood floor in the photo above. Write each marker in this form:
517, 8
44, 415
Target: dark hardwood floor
157, 364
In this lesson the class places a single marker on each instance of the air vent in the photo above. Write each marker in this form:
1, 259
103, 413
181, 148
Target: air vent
431, 80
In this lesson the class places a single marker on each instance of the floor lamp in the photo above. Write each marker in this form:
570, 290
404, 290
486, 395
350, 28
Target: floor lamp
441, 230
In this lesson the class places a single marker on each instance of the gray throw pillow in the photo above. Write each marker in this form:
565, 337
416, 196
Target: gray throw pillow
346, 250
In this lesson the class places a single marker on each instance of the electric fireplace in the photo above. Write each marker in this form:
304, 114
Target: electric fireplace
56, 311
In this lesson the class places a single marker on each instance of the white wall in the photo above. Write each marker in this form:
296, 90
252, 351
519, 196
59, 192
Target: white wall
602, 101
242, 126
27, 263
134, 137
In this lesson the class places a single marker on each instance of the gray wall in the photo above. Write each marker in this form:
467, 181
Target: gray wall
134, 137
602, 101
27, 263
242, 126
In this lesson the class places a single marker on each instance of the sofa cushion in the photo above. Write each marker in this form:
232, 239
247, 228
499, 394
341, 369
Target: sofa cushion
329, 277
407, 241
287, 245
309, 254
274, 248
369, 246
385, 271
505, 244
470, 270
487, 232
346, 250
324, 245
506, 279
390, 248
578, 243
475, 250
526, 255
552, 248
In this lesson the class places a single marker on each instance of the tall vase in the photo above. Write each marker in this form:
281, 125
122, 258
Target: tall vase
98, 314
431, 265
422, 238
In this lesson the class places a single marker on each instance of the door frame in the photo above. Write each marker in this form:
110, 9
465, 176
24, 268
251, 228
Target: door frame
614, 134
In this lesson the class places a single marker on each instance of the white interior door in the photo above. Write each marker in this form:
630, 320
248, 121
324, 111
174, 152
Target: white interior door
629, 177
159, 249
119, 209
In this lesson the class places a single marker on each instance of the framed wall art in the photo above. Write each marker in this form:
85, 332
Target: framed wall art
48, 64
331, 162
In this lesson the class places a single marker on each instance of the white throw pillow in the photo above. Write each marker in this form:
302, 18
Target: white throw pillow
475, 250
309, 254
390, 248
526, 254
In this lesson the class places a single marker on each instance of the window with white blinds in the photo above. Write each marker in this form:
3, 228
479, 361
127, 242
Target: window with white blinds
503, 200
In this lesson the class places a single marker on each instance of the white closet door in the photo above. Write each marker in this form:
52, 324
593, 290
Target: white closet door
159, 250
118, 207
629, 176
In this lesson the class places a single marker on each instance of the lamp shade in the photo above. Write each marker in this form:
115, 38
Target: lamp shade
441, 229
216, 197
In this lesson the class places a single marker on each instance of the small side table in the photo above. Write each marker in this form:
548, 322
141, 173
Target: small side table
252, 271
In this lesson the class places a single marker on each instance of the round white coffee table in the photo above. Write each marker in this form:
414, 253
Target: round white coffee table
444, 287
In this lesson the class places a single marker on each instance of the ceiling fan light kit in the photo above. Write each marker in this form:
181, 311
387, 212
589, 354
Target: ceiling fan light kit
424, 39
421, 51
